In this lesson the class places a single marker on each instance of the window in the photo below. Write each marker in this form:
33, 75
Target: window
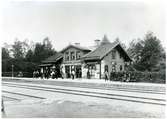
113, 68
120, 55
67, 56
72, 56
113, 54
120, 67
78, 55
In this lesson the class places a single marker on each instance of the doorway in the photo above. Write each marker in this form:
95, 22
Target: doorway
78, 71
67, 71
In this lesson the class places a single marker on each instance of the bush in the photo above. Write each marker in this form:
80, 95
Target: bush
136, 76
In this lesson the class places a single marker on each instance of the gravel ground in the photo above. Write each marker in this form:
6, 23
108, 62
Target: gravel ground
71, 109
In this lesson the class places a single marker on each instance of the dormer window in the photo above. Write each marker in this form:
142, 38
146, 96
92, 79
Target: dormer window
113, 54
67, 56
120, 55
78, 55
72, 55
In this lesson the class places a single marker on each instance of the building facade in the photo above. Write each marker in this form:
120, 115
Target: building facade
93, 63
52, 63
110, 57
72, 60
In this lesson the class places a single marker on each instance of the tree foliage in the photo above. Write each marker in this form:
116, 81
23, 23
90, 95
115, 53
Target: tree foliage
146, 53
19, 49
5, 53
43, 50
26, 58
29, 56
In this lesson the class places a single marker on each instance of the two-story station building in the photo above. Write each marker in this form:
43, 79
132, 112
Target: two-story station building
106, 56
72, 60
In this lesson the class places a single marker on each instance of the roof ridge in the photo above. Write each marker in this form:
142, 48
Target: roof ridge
99, 47
79, 47
114, 45
55, 56
91, 51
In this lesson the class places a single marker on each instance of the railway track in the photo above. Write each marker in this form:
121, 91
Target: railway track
100, 86
22, 94
89, 93
11, 98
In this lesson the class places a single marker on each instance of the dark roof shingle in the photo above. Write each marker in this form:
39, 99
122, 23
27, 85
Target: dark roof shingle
101, 51
105, 47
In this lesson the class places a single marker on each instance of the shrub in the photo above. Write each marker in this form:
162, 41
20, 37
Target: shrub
136, 76
16, 74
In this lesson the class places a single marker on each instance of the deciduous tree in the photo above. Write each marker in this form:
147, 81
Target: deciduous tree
19, 49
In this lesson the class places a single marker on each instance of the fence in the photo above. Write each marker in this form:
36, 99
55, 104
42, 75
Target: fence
16, 74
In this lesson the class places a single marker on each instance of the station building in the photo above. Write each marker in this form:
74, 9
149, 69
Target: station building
105, 56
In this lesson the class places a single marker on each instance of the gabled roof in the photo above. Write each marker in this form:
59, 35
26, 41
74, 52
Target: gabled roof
53, 58
77, 47
105, 47
99, 52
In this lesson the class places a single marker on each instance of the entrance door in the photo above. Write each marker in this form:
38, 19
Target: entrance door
78, 71
57, 68
92, 69
67, 71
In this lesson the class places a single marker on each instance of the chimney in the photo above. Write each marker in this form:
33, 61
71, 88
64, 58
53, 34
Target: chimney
97, 42
77, 44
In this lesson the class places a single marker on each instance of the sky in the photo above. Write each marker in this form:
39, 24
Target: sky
70, 21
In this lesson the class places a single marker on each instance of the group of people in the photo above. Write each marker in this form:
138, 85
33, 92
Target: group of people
47, 74
55, 74
73, 74
125, 76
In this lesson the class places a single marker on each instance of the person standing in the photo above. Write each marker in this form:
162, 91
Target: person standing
56, 74
52, 74
73, 74
88, 74
106, 75
34, 74
2, 108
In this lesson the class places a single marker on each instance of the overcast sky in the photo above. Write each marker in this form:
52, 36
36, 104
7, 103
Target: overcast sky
65, 22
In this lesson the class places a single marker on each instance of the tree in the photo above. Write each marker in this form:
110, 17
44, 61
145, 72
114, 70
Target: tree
26, 56
151, 52
5, 59
29, 55
146, 53
5, 53
38, 53
135, 49
43, 51
19, 49
47, 44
